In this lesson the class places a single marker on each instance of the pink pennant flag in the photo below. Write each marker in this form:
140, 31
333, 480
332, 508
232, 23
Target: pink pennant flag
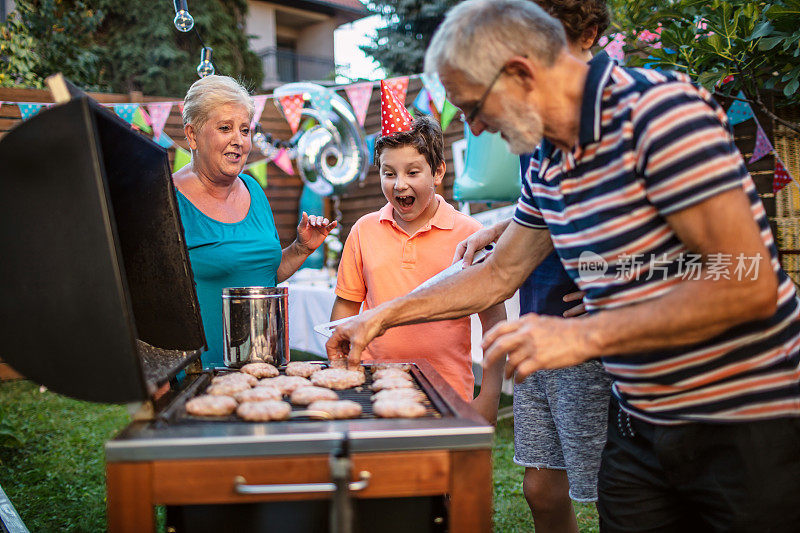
782, 177
614, 48
283, 162
1, 104
258, 102
399, 87
159, 113
292, 108
359, 95
180, 107
762, 147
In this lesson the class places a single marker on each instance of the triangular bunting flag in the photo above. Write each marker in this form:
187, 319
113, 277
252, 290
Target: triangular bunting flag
292, 108
180, 107
762, 147
140, 120
739, 111
1, 103
394, 115
448, 113
370, 140
159, 113
126, 111
359, 95
322, 100
164, 140
436, 90
782, 177
182, 158
29, 110
399, 87
423, 102
259, 172
258, 102
283, 162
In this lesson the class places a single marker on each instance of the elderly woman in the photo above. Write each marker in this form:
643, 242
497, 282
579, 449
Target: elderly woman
230, 231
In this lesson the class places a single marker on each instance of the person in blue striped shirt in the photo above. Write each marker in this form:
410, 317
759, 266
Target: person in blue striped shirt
559, 414
650, 207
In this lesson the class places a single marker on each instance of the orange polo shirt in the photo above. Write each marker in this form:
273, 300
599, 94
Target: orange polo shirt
380, 262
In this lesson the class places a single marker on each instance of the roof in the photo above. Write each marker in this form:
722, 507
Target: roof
349, 9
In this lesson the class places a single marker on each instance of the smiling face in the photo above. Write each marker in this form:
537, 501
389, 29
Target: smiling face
221, 145
409, 184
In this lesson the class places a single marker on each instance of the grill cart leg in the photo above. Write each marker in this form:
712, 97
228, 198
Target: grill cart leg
130, 497
341, 504
471, 491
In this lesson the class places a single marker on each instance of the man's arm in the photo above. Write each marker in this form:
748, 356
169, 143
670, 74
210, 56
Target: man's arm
693, 311
488, 399
472, 290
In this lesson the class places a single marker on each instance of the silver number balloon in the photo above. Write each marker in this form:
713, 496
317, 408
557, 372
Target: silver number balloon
332, 154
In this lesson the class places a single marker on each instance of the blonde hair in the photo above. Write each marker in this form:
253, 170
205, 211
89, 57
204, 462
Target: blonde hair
212, 91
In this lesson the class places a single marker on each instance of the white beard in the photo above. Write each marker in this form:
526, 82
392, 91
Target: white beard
522, 129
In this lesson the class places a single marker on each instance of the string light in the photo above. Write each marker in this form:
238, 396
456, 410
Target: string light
206, 67
183, 20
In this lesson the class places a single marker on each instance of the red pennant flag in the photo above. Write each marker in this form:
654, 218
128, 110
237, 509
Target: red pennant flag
292, 108
394, 115
180, 107
258, 102
359, 95
159, 113
283, 162
782, 177
399, 87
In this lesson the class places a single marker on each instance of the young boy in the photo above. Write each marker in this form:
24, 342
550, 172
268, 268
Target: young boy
390, 252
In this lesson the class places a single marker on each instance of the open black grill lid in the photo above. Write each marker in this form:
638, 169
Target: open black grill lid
97, 298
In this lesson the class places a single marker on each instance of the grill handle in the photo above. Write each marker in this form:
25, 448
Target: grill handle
241, 487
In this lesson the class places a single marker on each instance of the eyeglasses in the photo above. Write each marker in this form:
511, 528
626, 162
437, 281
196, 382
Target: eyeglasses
477, 109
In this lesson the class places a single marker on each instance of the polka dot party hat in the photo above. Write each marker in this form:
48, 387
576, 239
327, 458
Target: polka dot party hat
394, 115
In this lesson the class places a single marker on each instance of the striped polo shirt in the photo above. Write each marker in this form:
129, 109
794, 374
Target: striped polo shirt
651, 144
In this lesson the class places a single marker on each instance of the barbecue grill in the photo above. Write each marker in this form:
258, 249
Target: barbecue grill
99, 304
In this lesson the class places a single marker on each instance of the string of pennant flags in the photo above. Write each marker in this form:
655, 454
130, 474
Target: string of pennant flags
152, 117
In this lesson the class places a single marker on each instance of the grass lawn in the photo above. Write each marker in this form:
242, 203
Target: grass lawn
56, 480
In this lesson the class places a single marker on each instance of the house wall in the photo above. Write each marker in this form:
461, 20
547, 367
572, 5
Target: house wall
317, 41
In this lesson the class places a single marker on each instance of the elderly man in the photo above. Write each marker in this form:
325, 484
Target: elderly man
651, 210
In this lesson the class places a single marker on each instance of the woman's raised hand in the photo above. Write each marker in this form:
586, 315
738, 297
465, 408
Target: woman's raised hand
312, 230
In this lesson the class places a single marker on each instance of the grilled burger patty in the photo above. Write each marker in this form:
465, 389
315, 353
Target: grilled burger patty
302, 368
337, 409
260, 370
307, 395
264, 411
209, 405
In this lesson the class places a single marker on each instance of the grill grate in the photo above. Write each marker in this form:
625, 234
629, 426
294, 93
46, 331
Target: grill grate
361, 395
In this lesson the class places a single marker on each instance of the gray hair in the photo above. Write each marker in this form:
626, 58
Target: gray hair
478, 36
212, 91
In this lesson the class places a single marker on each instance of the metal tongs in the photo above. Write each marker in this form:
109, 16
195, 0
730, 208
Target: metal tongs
326, 329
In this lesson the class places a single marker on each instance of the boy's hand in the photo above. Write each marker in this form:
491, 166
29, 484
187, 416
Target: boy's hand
579, 309
466, 249
349, 339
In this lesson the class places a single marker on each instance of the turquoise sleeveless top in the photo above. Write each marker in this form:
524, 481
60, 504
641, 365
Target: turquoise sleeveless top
241, 254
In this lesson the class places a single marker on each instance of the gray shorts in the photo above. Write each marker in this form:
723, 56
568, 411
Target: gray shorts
560, 423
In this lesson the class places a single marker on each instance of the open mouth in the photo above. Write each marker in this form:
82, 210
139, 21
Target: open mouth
234, 157
405, 201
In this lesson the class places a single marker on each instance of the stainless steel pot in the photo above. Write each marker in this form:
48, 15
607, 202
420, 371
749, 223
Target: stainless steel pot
255, 325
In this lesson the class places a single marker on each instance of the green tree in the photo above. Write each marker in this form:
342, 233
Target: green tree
400, 46
123, 45
756, 42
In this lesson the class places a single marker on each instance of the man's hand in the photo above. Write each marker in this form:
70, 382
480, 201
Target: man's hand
537, 342
466, 249
349, 339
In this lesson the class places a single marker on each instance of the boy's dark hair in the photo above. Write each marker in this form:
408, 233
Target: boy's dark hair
577, 15
425, 135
